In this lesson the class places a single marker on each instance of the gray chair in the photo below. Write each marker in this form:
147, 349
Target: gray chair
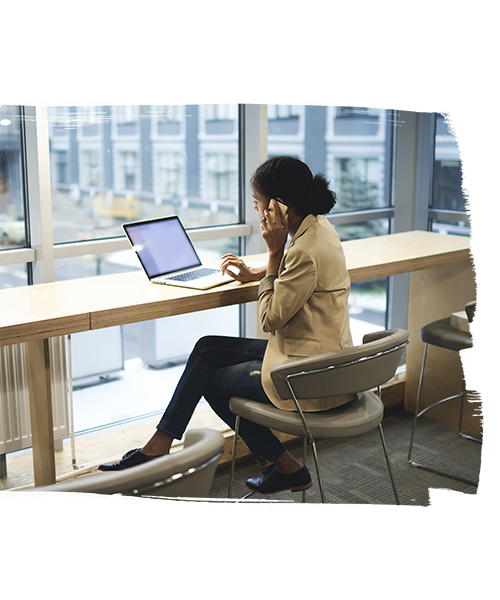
187, 473
350, 371
441, 334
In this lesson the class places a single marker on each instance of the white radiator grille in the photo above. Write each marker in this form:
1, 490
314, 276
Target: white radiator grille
15, 428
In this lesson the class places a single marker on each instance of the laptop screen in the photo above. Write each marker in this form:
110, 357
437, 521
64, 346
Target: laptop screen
162, 246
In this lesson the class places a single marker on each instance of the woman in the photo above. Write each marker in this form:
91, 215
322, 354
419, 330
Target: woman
302, 305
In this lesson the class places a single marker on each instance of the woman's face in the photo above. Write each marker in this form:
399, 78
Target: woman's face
260, 203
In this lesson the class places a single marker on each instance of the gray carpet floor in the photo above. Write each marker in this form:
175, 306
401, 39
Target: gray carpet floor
354, 471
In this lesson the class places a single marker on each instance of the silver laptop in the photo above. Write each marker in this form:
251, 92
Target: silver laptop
168, 256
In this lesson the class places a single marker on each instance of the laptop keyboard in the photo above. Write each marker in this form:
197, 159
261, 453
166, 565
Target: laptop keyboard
191, 275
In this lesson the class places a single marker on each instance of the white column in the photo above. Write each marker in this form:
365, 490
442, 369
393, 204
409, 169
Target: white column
39, 192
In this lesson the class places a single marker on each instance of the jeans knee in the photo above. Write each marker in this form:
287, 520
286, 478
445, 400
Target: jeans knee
203, 343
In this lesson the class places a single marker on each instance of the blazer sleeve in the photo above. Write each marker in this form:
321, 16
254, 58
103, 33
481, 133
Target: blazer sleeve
281, 297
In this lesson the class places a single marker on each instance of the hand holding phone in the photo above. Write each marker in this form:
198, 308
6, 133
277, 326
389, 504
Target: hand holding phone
282, 208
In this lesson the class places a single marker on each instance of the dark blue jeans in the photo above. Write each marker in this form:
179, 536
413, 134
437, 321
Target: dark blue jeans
218, 368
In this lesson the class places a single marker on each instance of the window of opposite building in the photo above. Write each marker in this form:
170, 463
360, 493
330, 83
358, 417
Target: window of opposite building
466, 174
110, 164
352, 147
12, 201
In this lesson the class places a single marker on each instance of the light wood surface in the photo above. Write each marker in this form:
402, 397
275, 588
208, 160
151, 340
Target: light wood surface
435, 294
35, 313
42, 432
52, 309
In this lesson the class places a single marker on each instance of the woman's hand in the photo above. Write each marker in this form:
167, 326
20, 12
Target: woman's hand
239, 270
274, 229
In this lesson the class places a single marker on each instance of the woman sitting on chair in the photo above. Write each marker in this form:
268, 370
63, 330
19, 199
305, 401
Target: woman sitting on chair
302, 304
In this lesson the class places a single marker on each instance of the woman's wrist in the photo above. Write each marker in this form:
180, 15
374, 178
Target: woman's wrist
274, 262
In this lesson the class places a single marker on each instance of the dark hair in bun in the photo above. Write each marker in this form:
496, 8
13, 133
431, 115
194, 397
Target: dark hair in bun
291, 180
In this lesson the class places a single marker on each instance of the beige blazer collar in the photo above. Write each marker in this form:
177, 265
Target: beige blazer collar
304, 226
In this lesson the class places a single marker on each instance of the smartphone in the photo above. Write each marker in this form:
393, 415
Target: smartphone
283, 209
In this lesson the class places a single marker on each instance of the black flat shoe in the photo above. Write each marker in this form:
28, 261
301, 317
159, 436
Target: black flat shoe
131, 458
273, 481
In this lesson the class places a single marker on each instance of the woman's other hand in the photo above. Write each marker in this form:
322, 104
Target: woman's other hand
237, 269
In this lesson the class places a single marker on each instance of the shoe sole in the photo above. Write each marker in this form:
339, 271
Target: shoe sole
297, 488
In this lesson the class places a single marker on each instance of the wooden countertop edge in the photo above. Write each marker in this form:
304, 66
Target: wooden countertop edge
39, 330
174, 306
217, 297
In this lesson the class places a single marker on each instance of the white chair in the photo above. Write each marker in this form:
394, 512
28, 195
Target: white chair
187, 473
349, 371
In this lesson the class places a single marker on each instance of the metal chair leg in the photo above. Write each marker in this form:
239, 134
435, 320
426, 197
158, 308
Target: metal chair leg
320, 481
382, 438
417, 405
233, 458
418, 413
304, 458
233, 461
462, 400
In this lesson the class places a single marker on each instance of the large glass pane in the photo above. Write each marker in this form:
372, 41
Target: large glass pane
450, 227
467, 152
129, 372
111, 164
356, 231
13, 276
351, 146
12, 228
368, 307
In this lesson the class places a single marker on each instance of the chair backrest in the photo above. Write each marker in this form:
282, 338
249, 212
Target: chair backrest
346, 371
186, 473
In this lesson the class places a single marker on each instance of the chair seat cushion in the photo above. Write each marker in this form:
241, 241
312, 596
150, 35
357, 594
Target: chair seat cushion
440, 333
349, 420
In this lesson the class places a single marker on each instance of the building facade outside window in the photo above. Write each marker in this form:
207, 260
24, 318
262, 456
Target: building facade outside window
126, 115
60, 170
59, 112
142, 162
222, 177
128, 171
12, 221
171, 174
466, 162
91, 168
351, 147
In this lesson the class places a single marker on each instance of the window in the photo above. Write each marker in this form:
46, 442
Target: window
128, 171
126, 114
222, 177
108, 170
357, 105
60, 170
171, 172
358, 182
91, 168
352, 147
89, 110
220, 112
60, 114
169, 113
282, 111
466, 162
12, 228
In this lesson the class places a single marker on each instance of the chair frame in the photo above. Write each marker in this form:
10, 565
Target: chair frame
179, 467
419, 413
308, 435
141, 491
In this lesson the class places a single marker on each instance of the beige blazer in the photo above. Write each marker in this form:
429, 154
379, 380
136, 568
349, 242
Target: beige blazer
304, 307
